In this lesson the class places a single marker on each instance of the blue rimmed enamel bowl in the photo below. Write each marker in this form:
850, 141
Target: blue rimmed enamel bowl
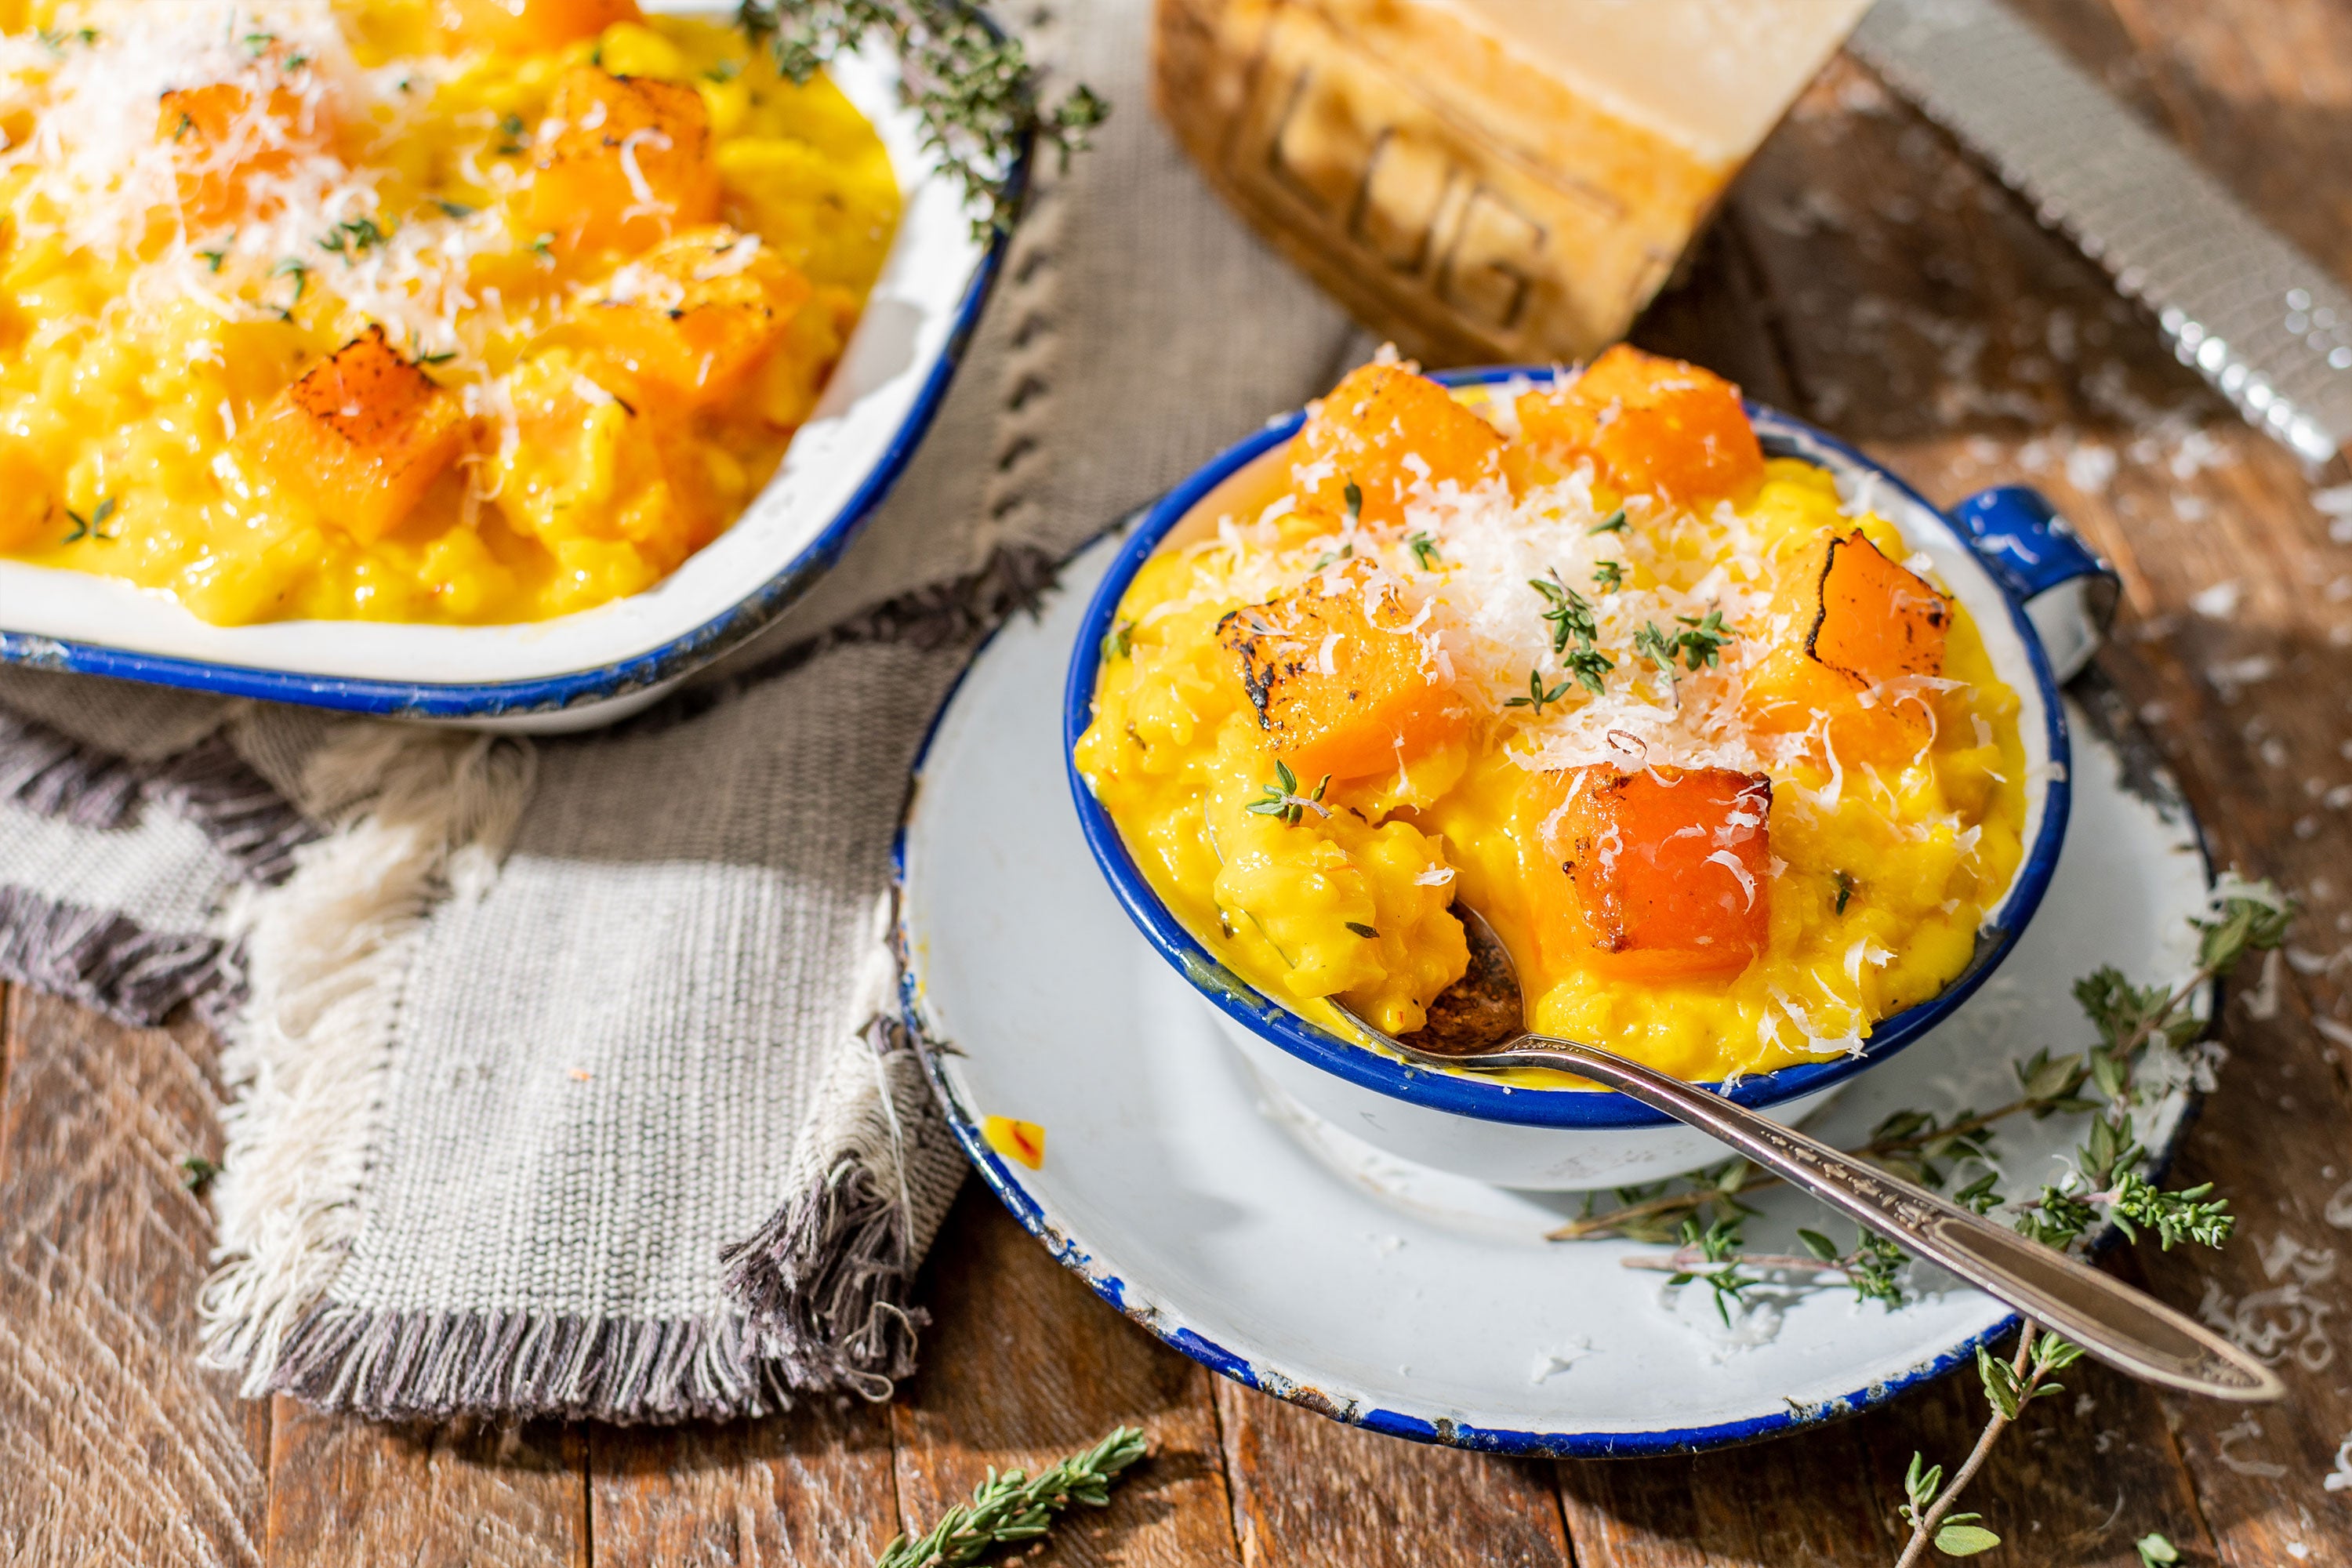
2040, 598
597, 665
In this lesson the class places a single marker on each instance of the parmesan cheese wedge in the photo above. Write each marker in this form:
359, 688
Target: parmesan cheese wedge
1485, 180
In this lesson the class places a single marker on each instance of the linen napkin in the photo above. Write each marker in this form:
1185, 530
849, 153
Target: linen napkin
567, 1075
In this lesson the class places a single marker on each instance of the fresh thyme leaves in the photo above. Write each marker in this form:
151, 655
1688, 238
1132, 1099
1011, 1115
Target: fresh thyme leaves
1702, 644
453, 209
1925, 1146
1845, 890
1718, 1246
1537, 696
1569, 613
187, 123
1369, 933
1425, 551
1613, 523
724, 72
1013, 1508
296, 268
1655, 646
197, 1173
213, 258
94, 525
2010, 1387
1873, 1270
543, 246
511, 140
1608, 576
1345, 553
1119, 641
1590, 667
2252, 917
257, 44
444, 357
1354, 496
1282, 798
1699, 646
353, 237
972, 88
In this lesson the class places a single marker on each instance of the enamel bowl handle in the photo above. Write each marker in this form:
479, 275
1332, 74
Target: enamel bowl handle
2068, 592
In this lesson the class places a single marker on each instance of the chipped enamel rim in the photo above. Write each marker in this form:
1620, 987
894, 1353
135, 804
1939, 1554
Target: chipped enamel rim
1463, 1094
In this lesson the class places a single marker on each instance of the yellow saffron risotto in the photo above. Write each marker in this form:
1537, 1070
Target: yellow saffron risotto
1731, 777
441, 311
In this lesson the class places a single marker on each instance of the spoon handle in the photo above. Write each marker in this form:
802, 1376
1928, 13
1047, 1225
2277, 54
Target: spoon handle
2120, 1325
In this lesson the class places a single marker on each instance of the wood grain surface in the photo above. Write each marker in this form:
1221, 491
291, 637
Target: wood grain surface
1865, 274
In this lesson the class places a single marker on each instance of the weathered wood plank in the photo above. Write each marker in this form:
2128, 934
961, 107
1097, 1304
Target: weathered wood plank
813, 1487
113, 1447
1807, 1500
1308, 1489
1023, 1365
1970, 348
344, 1490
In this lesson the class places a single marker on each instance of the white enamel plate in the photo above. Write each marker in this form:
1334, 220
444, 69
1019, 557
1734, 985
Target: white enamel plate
1291, 1258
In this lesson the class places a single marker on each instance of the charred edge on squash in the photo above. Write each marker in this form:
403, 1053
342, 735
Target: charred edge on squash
1939, 617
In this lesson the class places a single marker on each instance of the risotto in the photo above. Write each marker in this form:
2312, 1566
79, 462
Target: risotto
1728, 772
446, 311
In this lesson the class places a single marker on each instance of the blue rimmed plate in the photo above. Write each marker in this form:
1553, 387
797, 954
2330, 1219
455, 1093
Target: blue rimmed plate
597, 665
1282, 1253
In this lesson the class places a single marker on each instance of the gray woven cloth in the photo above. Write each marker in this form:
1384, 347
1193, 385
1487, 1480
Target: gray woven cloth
565, 1074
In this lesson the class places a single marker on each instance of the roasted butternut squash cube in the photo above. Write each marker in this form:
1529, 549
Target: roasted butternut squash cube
1853, 625
629, 165
1336, 690
1662, 874
693, 317
1388, 432
1651, 425
223, 141
1875, 619
530, 26
361, 436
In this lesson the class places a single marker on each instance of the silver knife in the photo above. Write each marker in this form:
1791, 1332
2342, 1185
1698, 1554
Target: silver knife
2268, 326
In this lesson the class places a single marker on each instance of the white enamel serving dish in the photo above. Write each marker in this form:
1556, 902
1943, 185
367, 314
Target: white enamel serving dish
598, 665
1284, 1251
2003, 554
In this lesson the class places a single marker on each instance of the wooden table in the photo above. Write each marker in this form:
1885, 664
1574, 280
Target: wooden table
1863, 274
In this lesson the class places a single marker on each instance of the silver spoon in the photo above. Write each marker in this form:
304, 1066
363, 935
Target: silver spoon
1479, 1025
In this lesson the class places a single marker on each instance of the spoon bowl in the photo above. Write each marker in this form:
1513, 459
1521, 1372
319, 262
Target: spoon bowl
1484, 1029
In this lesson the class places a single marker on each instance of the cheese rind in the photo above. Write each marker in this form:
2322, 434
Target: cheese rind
1465, 176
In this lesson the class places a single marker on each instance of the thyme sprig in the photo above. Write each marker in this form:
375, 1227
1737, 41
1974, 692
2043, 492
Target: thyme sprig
1925, 1147
94, 525
2010, 1387
352, 239
972, 89
1014, 1507
1699, 646
1537, 698
1873, 1270
1569, 612
1282, 799
1571, 618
